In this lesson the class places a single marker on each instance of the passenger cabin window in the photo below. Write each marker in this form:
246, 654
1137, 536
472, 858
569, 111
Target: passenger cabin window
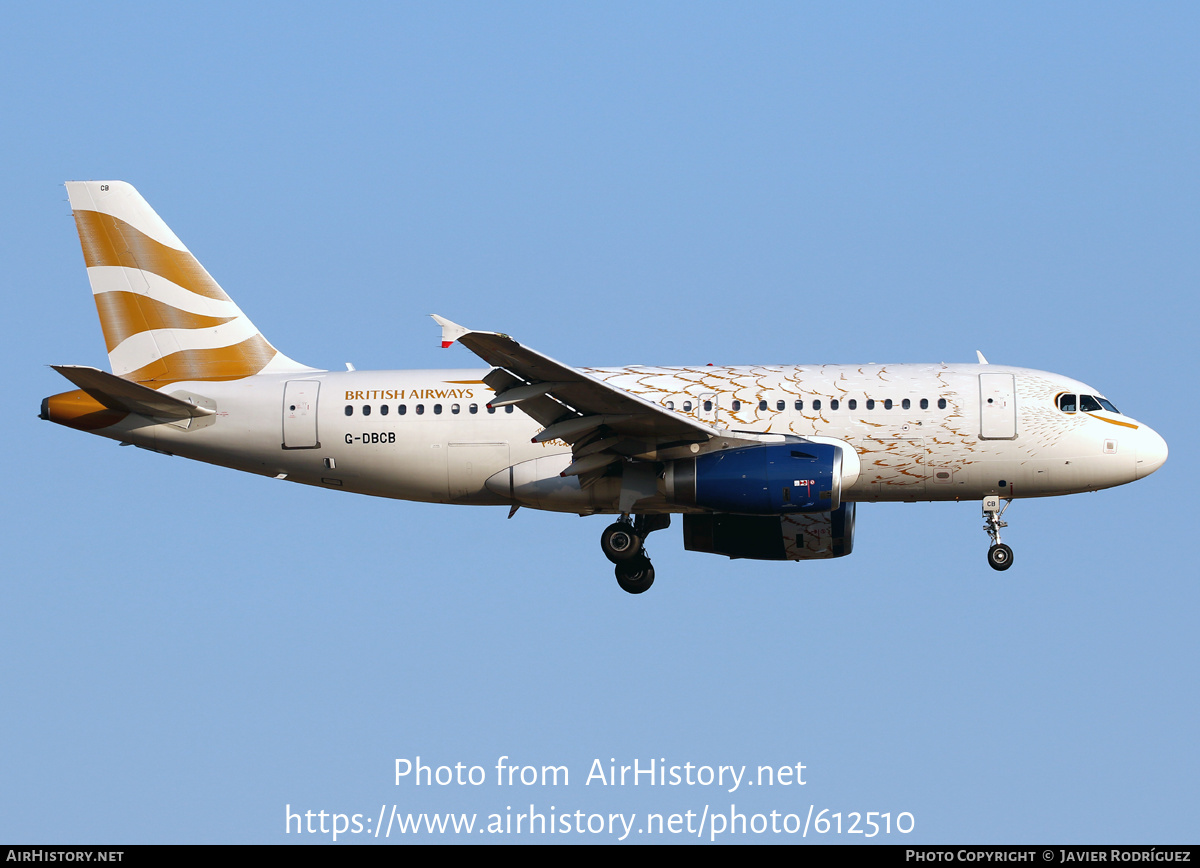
383, 409
941, 403
852, 404
833, 405
670, 405
366, 409
887, 404
708, 406
736, 405
762, 405
799, 405
509, 408
402, 409
817, 404
474, 408
870, 403
349, 410
779, 405
687, 406
420, 409
905, 404
924, 403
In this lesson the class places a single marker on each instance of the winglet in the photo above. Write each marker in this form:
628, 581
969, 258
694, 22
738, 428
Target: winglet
450, 331
982, 360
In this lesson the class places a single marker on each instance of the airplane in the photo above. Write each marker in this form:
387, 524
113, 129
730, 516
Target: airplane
764, 462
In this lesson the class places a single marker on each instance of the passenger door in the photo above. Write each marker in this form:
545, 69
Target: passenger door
997, 407
300, 414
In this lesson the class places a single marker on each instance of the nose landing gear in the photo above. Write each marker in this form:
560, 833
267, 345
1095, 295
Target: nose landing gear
622, 543
999, 556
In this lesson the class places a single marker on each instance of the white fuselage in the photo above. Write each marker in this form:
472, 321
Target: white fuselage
922, 432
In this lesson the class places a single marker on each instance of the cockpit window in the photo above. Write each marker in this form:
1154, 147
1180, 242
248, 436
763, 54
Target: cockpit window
1070, 403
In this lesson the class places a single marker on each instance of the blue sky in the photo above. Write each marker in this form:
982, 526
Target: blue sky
186, 651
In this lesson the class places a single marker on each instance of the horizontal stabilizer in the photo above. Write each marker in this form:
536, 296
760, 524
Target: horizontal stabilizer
129, 397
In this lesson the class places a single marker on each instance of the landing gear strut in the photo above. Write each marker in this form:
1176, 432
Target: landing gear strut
1000, 556
622, 543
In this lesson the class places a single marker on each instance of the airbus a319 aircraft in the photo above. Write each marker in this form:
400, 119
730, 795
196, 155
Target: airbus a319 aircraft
764, 462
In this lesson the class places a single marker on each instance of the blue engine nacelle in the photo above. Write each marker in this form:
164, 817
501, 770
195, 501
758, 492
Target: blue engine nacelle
775, 479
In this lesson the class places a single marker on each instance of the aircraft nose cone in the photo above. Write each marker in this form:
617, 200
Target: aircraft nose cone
1151, 452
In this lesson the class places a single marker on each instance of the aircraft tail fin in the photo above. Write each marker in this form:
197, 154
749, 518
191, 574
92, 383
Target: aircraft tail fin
164, 318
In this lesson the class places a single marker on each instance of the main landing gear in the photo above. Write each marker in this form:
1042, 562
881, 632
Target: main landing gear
622, 543
1000, 556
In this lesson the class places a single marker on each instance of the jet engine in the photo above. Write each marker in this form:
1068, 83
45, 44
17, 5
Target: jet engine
774, 479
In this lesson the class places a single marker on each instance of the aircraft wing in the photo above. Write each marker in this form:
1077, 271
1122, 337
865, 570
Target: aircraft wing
602, 422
